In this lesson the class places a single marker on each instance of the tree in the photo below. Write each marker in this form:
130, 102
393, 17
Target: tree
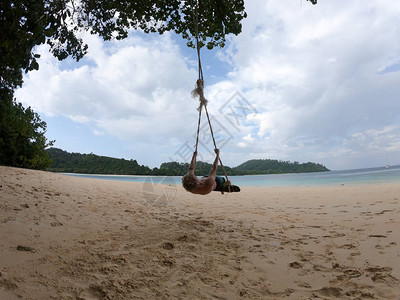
26, 24
22, 139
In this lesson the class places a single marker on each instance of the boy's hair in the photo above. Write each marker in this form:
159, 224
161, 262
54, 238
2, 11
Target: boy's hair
189, 182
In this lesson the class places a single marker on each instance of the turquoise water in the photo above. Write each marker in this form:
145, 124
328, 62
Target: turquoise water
331, 178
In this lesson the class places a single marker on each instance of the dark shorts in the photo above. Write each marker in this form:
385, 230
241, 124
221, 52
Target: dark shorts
220, 183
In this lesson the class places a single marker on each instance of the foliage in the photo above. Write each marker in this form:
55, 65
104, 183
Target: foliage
22, 140
26, 24
93, 164
271, 166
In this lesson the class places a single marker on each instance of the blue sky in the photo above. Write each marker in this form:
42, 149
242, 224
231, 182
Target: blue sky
300, 83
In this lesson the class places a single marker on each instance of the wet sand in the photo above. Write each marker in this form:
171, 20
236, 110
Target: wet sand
64, 237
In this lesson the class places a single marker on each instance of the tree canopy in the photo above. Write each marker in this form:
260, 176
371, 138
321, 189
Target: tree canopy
26, 24
22, 136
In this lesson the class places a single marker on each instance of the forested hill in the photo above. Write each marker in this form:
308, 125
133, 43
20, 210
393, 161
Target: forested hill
63, 161
271, 166
66, 162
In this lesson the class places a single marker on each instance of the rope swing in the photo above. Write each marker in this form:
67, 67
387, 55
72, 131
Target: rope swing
199, 92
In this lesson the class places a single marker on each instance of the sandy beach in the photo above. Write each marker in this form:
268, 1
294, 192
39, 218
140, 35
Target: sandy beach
63, 237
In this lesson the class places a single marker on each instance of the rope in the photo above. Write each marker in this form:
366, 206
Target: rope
199, 91
196, 27
215, 145
198, 130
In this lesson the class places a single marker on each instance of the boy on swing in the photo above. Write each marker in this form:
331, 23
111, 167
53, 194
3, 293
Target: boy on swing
206, 184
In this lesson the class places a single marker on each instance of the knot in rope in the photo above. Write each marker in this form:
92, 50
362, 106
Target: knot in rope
199, 91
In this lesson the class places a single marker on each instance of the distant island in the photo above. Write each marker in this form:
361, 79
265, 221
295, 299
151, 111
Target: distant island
65, 162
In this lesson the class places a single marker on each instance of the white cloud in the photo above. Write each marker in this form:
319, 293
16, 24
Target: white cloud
313, 73
134, 89
248, 138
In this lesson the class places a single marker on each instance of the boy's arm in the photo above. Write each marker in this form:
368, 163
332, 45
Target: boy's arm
213, 171
192, 166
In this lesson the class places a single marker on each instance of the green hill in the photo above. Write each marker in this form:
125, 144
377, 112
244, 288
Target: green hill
271, 166
63, 161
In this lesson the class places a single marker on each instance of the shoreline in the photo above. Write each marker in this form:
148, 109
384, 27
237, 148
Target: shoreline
99, 239
333, 179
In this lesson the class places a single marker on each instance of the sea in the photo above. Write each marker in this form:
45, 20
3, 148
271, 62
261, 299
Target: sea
380, 175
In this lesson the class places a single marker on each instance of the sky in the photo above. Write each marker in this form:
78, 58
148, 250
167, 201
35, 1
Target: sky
307, 83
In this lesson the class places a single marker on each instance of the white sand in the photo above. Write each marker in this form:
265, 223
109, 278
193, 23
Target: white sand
97, 239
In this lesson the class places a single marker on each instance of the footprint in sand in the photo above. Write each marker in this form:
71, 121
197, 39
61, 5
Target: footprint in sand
378, 269
329, 292
94, 292
8, 284
320, 268
380, 248
168, 246
347, 246
382, 274
303, 284
335, 234
295, 265
352, 273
